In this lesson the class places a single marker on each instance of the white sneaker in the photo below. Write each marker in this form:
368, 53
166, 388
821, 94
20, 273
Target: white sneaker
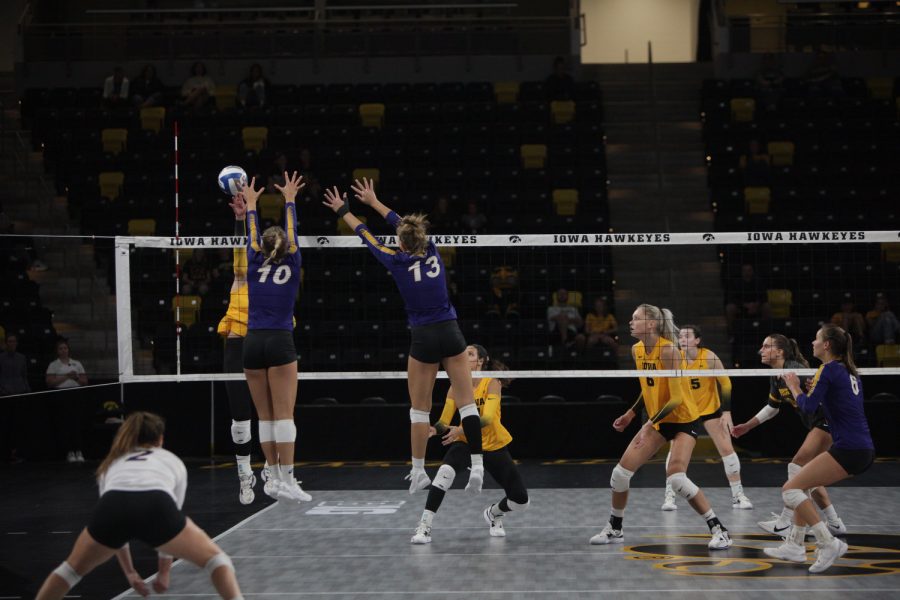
608, 536
787, 551
418, 480
836, 527
422, 534
70, 457
495, 522
246, 495
776, 526
291, 491
741, 502
826, 554
669, 501
476, 480
270, 487
266, 473
720, 539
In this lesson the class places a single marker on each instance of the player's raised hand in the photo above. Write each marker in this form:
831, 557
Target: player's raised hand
333, 199
251, 194
292, 185
238, 206
364, 191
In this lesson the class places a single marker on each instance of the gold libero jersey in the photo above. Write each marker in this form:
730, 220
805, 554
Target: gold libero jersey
656, 390
494, 435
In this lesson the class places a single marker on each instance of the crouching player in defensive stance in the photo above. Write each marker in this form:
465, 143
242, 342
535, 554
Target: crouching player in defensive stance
495, 441
142, 488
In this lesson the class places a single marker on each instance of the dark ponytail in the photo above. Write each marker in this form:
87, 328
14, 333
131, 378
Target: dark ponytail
841, 346
790, 348
491, 364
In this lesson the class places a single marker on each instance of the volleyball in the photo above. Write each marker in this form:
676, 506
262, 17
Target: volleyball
232, 179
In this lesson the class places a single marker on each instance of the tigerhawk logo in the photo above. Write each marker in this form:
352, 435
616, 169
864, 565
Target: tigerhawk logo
869, 554
514, 239
322, 240
708, 237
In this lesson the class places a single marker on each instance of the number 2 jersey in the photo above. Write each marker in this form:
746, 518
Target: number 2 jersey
272, 287
145, 469
420, 279
657, 391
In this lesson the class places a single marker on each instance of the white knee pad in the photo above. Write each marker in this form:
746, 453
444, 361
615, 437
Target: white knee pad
516, 506
444, 478
285, 431
240, 432
219, 560
68, 574
419, 416
793, 498
683, 486
469, 410
621, 479
266, 431
732, 464
793, 469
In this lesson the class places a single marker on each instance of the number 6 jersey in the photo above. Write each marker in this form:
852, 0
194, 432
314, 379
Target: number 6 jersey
272, 286
420, 279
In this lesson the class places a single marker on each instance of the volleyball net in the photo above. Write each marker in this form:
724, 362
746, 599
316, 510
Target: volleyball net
510, 290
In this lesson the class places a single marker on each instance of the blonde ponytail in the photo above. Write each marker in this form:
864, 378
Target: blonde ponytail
413, 233
139, 429
274, 244
665, 321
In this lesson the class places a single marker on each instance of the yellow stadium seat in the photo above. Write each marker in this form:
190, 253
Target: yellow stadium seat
225, 96
271, 207
371, 115
152, 118
142, 227
255, 138
448, 255
114, 140
111, 184
757, 200
742, 109
782, 153
780, 302
880, 88
575, 299
888, 355
562, 111
344, 229
184, 255
186, 309
373, 174
891, 251
506, 92
565, 202
534, 156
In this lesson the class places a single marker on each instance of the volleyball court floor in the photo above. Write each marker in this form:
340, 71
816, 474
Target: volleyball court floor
352, 541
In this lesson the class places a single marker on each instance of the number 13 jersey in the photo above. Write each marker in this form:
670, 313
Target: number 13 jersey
420, 279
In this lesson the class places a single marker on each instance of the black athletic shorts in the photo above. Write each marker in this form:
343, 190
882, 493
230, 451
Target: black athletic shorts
670, 430
150, 516
713, 415
853, 461
433, 342
264, 348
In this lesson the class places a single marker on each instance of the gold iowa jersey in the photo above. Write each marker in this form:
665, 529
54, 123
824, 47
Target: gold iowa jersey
704, 389
656, 390
494, 435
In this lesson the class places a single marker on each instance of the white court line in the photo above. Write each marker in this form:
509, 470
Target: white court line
129, 591
880, 528
544, 592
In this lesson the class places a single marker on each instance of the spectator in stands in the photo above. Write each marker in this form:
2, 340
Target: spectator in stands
560, 85
565, 320
198, 273
442, 222
13, 369
884, 327
197, 91
66, 373
252, 90
822, 79
747, 297
313, 189
851, 321
769, 81
600, 326
755, 165
473, 221
146, 89
115, 89
504, 300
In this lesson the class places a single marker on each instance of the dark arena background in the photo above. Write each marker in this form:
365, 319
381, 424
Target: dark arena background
735, 161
